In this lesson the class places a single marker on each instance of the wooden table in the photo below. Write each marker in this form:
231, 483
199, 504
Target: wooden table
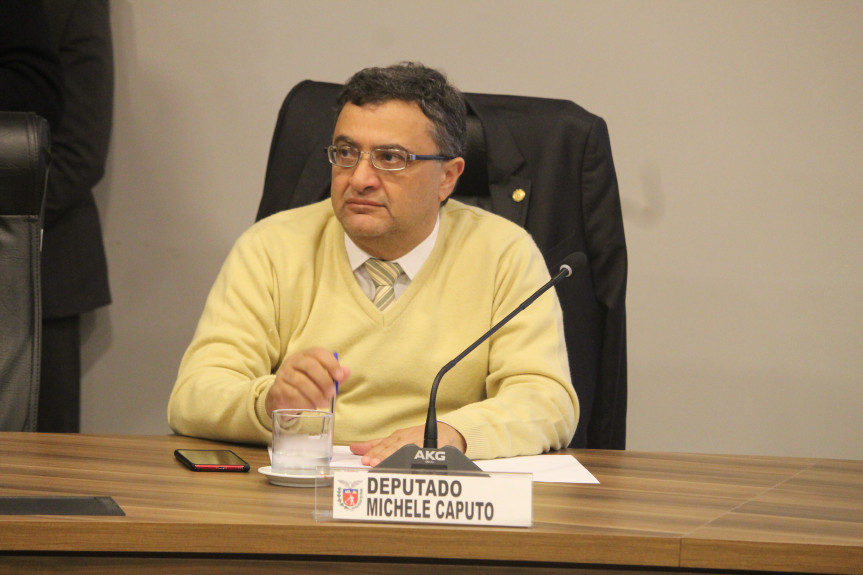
666, 512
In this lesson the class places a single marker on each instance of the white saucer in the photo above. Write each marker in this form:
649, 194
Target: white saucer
291, 480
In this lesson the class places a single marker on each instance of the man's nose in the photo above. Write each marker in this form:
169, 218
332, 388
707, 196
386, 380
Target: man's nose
365, 175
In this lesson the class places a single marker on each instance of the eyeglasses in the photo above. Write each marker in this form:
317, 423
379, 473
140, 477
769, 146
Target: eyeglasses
386, 159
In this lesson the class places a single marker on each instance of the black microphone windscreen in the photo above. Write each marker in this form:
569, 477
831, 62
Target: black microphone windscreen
572, 262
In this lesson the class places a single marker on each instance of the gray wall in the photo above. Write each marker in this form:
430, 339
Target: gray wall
736, 128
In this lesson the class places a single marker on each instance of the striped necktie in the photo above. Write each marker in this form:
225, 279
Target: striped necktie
384, 276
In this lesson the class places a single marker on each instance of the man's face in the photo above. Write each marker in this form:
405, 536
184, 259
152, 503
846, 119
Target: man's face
387, 214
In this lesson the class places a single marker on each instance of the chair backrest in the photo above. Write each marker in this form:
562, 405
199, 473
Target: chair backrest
547, 166
24, 160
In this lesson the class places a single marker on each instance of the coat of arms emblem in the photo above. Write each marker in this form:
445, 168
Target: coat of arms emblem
349, 494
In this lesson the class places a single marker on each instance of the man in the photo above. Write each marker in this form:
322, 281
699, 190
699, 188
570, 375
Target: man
74, 265
297, 287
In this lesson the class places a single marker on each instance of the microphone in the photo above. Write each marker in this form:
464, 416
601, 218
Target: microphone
429, 457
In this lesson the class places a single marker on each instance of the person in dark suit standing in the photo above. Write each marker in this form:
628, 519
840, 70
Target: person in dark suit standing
74, 266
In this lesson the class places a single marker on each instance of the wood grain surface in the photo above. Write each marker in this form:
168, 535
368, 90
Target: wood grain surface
666, 511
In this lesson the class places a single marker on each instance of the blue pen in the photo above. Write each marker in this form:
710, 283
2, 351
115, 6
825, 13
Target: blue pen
333, 399
335, 353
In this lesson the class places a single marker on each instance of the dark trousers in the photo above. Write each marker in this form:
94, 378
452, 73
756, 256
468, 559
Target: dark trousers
60, 380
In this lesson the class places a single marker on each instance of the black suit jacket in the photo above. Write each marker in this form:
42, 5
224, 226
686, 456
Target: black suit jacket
549, 169
31, 77
74, 266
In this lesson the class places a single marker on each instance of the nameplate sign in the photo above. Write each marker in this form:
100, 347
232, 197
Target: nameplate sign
493, 499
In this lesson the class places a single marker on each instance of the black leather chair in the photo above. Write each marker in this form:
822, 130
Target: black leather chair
24, 159
544, 164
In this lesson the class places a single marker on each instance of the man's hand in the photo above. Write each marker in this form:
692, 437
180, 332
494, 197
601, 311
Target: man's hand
377, 450
306, 380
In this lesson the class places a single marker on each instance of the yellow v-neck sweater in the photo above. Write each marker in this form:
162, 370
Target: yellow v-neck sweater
287, 286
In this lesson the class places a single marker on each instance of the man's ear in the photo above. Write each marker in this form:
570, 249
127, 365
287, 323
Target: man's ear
452, 169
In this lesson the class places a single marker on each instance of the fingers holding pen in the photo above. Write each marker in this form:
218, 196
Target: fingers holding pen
306, 380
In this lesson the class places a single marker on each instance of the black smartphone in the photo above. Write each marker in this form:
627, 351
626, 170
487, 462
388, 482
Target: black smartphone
211, 460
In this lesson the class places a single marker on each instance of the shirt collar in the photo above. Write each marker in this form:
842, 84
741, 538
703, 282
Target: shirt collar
411, 262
